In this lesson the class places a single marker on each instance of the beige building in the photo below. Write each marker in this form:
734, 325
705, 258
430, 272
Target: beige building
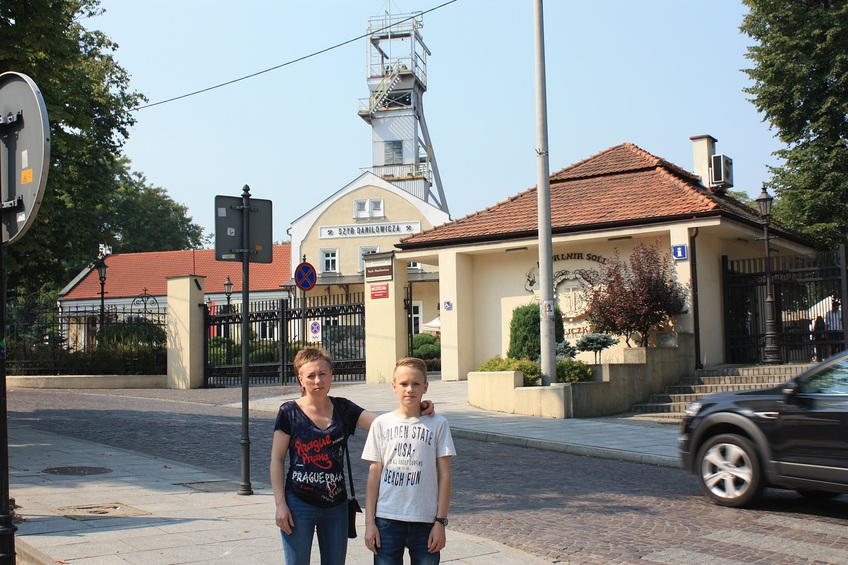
608, 203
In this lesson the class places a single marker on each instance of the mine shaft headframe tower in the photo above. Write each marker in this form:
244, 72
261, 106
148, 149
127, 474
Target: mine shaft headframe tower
397, 78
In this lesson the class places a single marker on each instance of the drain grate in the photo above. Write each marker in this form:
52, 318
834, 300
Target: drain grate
212, 486
77, 471
100, 511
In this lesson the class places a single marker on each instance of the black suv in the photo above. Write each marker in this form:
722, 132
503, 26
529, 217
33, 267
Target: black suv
793, 436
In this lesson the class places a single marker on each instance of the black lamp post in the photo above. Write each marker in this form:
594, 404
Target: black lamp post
102, 267
772, 352
228, 290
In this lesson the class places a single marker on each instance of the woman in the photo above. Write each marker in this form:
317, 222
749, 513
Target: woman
311, 431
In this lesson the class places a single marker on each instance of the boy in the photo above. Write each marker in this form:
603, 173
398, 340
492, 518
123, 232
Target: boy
408, 491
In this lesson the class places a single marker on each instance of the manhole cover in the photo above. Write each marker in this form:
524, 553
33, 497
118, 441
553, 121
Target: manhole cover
77, 471
212, 486
98, 511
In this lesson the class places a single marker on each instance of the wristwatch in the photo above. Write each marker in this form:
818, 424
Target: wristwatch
442, 521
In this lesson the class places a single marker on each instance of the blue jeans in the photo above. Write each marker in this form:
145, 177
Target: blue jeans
395, 536
331, 525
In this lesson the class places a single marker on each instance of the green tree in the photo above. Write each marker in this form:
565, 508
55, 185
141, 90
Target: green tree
524, 332
800, 79
595, 343
89, 104
143, 217
631, 298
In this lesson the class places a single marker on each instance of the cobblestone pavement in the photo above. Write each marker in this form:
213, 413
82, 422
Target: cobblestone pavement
564, 508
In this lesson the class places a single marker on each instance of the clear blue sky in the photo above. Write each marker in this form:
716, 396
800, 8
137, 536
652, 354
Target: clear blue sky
650, 72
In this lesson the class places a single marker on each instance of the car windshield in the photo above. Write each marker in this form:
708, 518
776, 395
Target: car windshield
831, 380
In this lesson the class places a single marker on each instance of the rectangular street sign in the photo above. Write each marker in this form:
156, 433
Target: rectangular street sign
229, 223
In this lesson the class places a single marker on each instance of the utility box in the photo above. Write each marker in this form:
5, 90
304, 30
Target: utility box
721, 171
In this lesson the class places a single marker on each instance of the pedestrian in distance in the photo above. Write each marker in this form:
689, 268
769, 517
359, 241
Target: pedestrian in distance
408, 492
819, 334
309, 491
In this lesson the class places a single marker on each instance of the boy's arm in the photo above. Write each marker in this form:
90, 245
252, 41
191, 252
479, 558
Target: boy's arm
372, 489
438, 537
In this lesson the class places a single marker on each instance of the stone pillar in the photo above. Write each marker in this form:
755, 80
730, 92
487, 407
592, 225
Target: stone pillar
386, 322
457, 315
185, 331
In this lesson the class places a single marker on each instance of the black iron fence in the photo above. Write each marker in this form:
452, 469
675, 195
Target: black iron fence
809, 294
44, 339
278, 329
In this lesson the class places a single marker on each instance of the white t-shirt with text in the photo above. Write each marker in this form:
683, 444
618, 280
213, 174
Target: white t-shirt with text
408, 449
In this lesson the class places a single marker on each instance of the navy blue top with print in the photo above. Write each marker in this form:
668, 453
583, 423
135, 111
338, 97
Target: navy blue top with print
316, 457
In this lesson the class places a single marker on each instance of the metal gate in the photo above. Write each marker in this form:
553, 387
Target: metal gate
804, 287
278, 329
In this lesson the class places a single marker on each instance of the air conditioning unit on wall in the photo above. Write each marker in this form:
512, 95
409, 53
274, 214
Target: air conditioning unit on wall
721, 171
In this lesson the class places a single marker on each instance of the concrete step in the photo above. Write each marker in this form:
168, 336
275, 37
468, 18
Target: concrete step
750, 381
702, 389
675, 408
672, 404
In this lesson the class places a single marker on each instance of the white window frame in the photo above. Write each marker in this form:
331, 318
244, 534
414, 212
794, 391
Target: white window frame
326, 254
417, 315
370, 208
366, 250
360, 209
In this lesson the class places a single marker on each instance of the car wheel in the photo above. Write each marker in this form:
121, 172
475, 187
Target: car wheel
818, 495
729, 470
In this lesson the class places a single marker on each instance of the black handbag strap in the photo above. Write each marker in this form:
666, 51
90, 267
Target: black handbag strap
349, 472
347, 452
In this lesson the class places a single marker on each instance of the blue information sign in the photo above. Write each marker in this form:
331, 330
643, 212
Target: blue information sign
305, 276
679, 252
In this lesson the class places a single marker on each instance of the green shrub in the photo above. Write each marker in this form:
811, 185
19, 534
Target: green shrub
595, 343
423, 339
428, 351
524, 339
572, 371
531, 370
564, 350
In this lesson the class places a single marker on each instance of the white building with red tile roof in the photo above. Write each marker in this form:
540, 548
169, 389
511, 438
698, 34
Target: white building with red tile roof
608, 203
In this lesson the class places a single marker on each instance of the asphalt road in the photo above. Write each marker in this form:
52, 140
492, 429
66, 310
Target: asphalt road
565, 508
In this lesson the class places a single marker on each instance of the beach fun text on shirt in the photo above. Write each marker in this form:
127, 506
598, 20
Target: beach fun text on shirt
406, 438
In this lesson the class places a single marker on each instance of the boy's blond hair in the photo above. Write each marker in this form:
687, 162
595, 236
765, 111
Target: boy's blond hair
413, 363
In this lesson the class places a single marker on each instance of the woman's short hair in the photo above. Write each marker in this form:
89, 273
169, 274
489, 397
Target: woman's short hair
308, 355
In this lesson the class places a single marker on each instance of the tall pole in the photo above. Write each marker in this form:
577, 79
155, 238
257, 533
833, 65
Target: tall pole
244, 485
546, 271
7, 524
228, 290
772, 354
102, 303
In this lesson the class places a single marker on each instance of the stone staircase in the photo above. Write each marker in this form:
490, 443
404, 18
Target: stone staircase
670, 405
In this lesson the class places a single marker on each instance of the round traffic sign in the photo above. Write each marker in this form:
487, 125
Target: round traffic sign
305, 276
24, 152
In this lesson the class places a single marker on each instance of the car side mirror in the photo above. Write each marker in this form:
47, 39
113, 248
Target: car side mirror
790, 391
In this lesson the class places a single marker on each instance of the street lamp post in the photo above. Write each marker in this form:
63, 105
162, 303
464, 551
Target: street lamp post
228, 290
102, 267
772, 354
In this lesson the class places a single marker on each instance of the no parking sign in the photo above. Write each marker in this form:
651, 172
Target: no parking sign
314, 331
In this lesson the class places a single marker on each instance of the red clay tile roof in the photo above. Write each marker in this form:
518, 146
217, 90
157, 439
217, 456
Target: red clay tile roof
623, 185
130, 273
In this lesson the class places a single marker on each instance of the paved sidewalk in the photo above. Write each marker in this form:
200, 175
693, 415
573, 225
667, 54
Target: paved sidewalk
90, 504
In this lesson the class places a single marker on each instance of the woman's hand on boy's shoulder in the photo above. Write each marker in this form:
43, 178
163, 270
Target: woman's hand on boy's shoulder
427, 408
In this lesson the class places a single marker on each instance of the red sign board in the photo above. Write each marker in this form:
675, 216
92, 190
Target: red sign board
380, 290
